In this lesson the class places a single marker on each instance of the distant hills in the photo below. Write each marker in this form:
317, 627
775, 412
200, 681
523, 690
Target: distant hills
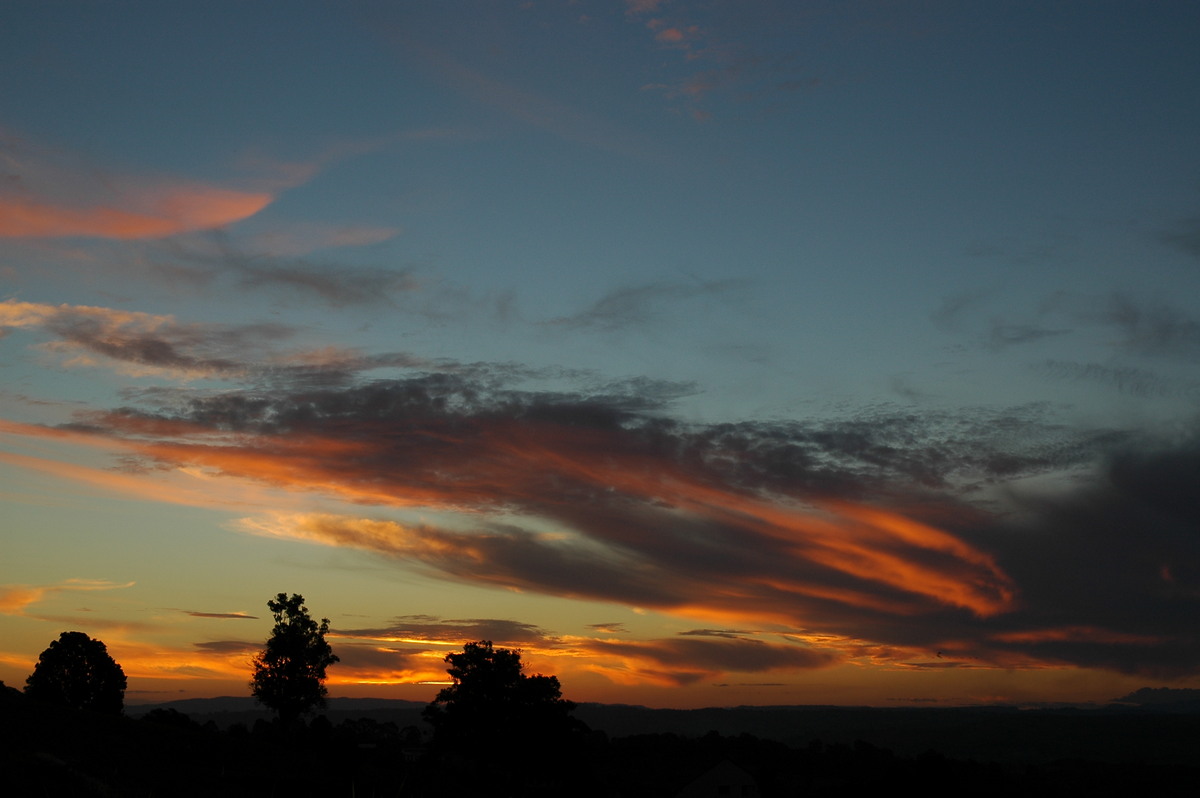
1123, 748
1172, 698
1148, 725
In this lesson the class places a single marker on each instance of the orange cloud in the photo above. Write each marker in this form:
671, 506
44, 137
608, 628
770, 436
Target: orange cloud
152, 214
15, 598
157, 661
1077, 634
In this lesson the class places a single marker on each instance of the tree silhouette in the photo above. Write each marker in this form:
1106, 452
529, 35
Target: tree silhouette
289, 674
493, 707
77, 671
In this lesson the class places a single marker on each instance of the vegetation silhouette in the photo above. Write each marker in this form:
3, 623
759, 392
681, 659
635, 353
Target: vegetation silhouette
289, 674
76, 671
49, 750
493, 700
509, 726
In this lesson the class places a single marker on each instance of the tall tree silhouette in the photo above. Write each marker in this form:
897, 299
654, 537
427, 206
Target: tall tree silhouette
77, 671
289, 674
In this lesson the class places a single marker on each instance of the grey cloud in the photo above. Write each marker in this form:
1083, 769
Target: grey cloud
337, 285
176, 347
229, 647
952, 309
1002, 334
374, 658
241, 616
425, 627
635, 306
719, 656
213, 256
1184, 235
1126, 379
731, 634
1107, 570
1153, 328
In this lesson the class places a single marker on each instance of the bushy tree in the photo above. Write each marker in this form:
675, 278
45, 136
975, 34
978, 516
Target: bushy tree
289, 674
77, 671
493, 706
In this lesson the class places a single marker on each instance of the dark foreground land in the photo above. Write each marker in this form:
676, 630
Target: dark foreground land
381, 749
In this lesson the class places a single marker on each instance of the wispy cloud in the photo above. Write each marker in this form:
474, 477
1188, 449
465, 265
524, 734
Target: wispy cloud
635, 306
426, 629
681, 660
141, 343
276, 262
1126, 379
301, 239
237, 616
1143, 325
1153, 328
1184, 235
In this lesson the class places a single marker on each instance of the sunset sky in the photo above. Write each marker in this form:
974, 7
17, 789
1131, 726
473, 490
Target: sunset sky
711, 353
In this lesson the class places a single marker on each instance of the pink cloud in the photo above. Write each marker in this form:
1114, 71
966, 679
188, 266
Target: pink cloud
642, 6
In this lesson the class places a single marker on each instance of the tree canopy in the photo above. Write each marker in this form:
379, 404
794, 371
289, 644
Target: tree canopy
77, 671
493, 706
289, 674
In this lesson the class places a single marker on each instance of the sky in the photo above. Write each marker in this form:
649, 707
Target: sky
709, 352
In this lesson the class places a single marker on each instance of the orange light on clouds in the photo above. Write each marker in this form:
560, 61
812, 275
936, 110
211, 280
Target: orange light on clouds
14, 599
154, 214
1078, 634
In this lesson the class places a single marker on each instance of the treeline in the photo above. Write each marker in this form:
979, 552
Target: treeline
55, 751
